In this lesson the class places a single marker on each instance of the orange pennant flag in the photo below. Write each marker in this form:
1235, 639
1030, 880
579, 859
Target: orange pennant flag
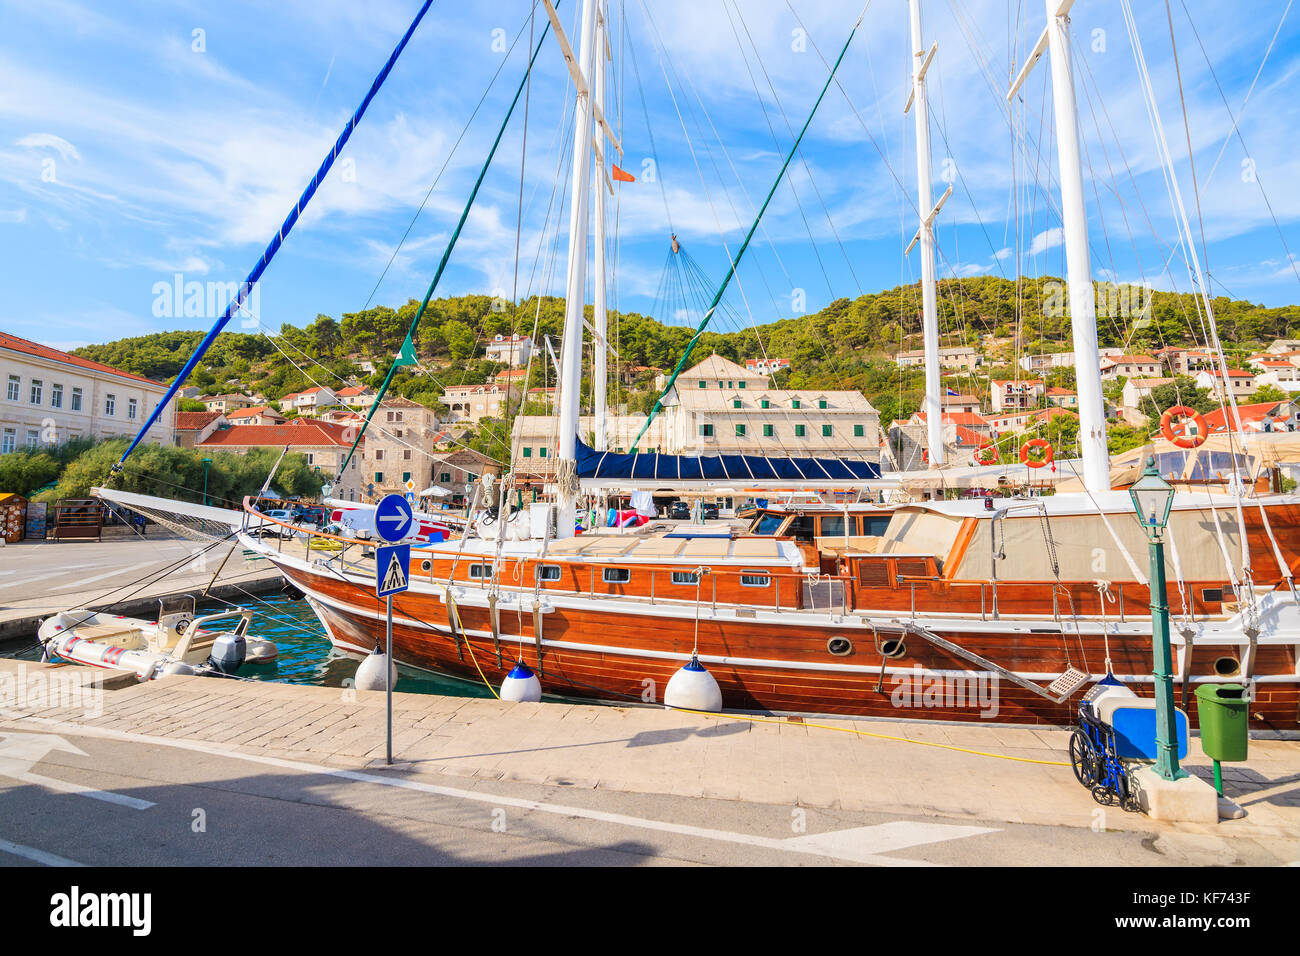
621, 176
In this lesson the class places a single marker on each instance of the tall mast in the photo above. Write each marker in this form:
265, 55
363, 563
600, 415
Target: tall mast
929, 308
575, 289
599, 370
1074, 221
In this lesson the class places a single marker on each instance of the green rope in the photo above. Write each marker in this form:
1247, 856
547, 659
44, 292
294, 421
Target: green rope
681, 364
406, 355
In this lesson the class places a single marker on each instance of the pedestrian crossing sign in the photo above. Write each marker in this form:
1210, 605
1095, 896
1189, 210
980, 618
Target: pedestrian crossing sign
391, 564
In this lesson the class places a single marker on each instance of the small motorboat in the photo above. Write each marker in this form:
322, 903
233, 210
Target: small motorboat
176, 643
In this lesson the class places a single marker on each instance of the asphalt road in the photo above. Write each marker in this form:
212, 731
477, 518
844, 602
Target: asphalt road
155, 804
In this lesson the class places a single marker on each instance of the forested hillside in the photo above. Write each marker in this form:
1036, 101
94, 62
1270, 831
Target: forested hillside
848, 344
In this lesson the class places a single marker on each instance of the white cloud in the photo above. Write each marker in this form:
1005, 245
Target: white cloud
50, 141
1047, 239
13, 215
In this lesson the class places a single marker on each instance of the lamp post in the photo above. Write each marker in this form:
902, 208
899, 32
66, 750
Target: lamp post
206, 463
1152, 499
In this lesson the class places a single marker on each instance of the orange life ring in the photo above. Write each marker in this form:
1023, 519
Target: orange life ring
1048, 454
1184, 440
989, 445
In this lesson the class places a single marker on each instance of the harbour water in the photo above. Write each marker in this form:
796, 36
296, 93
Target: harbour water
306, 656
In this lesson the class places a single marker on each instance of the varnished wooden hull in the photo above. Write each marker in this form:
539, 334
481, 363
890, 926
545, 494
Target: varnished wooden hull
624, 650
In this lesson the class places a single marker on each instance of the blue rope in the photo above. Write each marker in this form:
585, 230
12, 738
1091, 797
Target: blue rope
274, 246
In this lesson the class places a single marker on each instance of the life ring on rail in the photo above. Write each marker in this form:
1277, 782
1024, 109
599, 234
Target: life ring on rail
1027, 458
987, 446
1179, 436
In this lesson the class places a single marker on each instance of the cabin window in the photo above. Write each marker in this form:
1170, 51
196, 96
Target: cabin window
802, 528
768, 524
833, 527
755, 579
686, 577
1210, 595
874, 526
616, 575
548, 572
478, 572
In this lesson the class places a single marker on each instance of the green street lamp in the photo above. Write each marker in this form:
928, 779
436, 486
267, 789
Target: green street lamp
1153, 497
207, 462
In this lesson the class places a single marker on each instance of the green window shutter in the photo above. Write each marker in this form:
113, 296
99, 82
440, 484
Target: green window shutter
821, 403
767, 431
528, 452
706, 431
858, 431
445, 477
794, 403
764, 403
541, 452
740, 430
799, 431
406, 476
379, 476
735, 403
703, 384
742, 384
826, 431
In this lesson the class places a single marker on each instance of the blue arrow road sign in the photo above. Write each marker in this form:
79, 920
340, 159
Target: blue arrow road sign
393, 518
391, 564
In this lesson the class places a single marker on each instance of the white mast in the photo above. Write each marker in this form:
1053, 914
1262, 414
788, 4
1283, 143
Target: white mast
929, 313
599, 371
575, 290
1074, 221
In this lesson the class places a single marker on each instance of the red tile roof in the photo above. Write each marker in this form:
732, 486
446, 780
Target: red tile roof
300, 432
1246, 414
44, 351
195, 421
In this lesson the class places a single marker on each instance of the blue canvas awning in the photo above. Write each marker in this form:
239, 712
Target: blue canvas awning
651, 467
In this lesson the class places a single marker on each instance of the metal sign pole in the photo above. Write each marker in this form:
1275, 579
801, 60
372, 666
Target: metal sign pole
388, 678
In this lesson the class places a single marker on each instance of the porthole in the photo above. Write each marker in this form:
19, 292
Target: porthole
840, 646
891, 647
1227, 667
426, 565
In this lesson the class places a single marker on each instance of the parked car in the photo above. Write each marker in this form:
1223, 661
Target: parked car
710, 511
275, 530
679, 511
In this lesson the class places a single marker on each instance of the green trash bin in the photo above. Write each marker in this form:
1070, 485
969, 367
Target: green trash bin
1222, 712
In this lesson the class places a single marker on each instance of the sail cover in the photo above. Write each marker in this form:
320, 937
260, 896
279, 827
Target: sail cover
601, 466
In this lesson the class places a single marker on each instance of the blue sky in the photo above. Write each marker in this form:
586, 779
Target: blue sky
143, 139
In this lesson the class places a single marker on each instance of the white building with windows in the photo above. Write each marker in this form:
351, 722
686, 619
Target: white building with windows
51, 397
510, 349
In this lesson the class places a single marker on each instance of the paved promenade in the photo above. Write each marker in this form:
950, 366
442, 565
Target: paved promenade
38, 578
879, 770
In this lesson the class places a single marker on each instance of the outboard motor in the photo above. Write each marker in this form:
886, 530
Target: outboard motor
228, 652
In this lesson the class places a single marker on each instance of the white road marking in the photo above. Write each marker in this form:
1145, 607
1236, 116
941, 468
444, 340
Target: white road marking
19, 752
37, 856
857, 845
107, 796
